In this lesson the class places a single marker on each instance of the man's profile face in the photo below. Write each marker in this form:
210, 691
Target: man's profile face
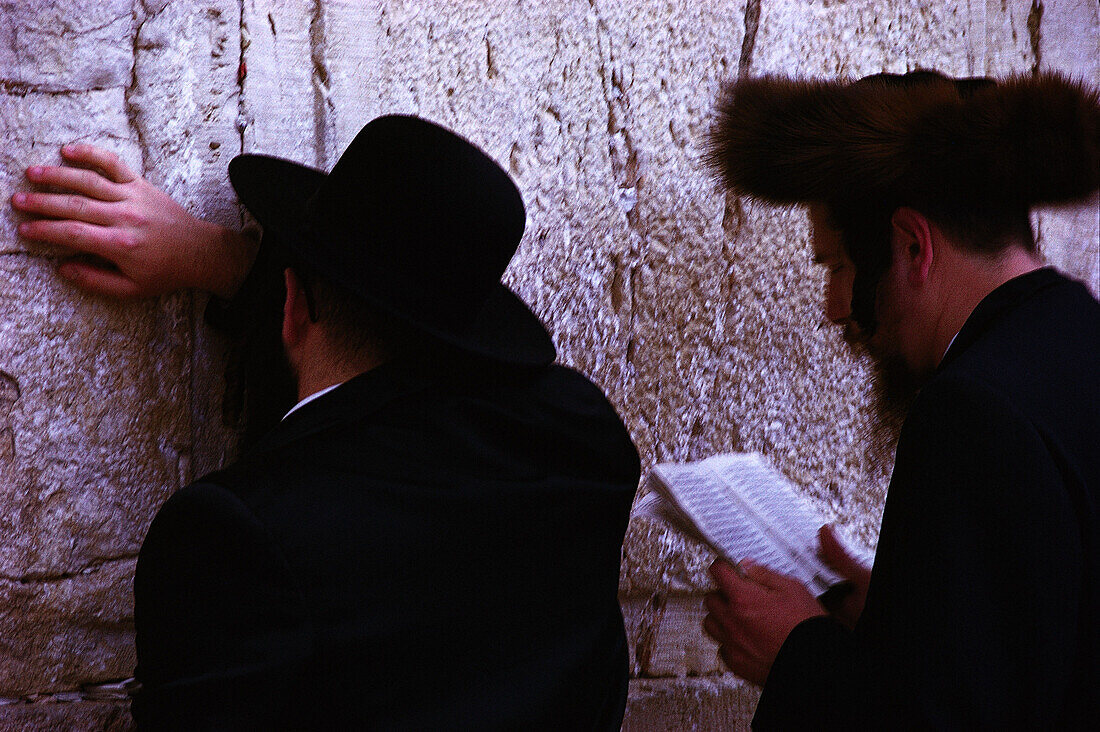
829, 252
895, 383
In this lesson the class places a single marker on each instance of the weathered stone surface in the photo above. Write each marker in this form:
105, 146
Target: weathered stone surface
711, 704
859, 37
1068, 34
285, 95
667, 639
1069, 237
77, 716
99, 424
65, 45
44, 626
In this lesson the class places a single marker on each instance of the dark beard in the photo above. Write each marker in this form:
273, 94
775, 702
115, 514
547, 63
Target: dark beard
894, 387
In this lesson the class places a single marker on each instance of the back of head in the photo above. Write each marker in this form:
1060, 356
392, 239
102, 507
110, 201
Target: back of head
973, 155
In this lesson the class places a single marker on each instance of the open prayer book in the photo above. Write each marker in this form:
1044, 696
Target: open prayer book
742, 508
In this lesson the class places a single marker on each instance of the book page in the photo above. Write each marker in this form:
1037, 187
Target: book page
745, 509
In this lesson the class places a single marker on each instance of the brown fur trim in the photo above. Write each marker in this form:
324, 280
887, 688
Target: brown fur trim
1029, 139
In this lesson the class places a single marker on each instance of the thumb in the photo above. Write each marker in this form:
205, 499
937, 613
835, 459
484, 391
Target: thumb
834, 553
765, 576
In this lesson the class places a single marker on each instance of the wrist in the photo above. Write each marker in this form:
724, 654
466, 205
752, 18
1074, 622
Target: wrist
232, 255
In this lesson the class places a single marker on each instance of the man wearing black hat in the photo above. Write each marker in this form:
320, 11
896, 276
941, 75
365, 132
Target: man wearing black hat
982, 608
430, 538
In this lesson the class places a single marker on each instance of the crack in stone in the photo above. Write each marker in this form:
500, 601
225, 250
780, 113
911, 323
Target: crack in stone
323, 108
81, 31
491, 70
22, 89
1034, 29
133, 114
242, 73
94, 691
44, 578
748, 43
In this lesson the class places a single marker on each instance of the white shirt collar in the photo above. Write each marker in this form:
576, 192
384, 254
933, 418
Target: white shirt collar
949, 344
310, 398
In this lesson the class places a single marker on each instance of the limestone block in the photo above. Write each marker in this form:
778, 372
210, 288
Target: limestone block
667, 639
711, 704
852, 39
64, 632
284, 94
65, 45
1003, 37
100, 428
1069, 37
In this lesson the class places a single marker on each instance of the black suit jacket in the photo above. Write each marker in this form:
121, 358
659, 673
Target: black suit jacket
417, 549
982, 610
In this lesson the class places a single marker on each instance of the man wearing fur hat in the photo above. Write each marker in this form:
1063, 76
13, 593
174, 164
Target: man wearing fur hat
982, 607
430, 539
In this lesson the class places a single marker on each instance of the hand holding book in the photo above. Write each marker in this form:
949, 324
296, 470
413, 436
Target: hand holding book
778, 564
752, 613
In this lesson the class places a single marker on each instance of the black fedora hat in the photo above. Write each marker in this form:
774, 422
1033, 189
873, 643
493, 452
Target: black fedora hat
415, 220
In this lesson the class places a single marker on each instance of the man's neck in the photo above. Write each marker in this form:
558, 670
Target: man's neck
969, 280
318, 365
321, 375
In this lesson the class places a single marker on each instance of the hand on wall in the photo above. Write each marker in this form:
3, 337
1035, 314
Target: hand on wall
128, 238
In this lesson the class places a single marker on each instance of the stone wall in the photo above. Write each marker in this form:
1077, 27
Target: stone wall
697, 313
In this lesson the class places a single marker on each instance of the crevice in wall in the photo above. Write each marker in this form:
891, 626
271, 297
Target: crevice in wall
133, 112
1035, 33
748, 43
42, 578
242, 73
118, 690
324, 133
22, 89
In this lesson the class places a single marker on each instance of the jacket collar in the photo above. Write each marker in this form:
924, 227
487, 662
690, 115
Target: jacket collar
997, 303
352, 400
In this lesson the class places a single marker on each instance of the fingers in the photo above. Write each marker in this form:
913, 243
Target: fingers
752, 575
766, 577
835, 554
77, 180
65, 206
105, 160
76, 235
98, 279
724, 574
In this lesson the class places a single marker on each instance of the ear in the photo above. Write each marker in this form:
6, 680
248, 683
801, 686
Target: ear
913, 244
295, 310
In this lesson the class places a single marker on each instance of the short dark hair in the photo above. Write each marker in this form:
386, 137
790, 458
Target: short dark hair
865, 231
354, 326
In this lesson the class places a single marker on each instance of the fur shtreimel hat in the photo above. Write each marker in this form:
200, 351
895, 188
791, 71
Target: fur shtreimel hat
916, 139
